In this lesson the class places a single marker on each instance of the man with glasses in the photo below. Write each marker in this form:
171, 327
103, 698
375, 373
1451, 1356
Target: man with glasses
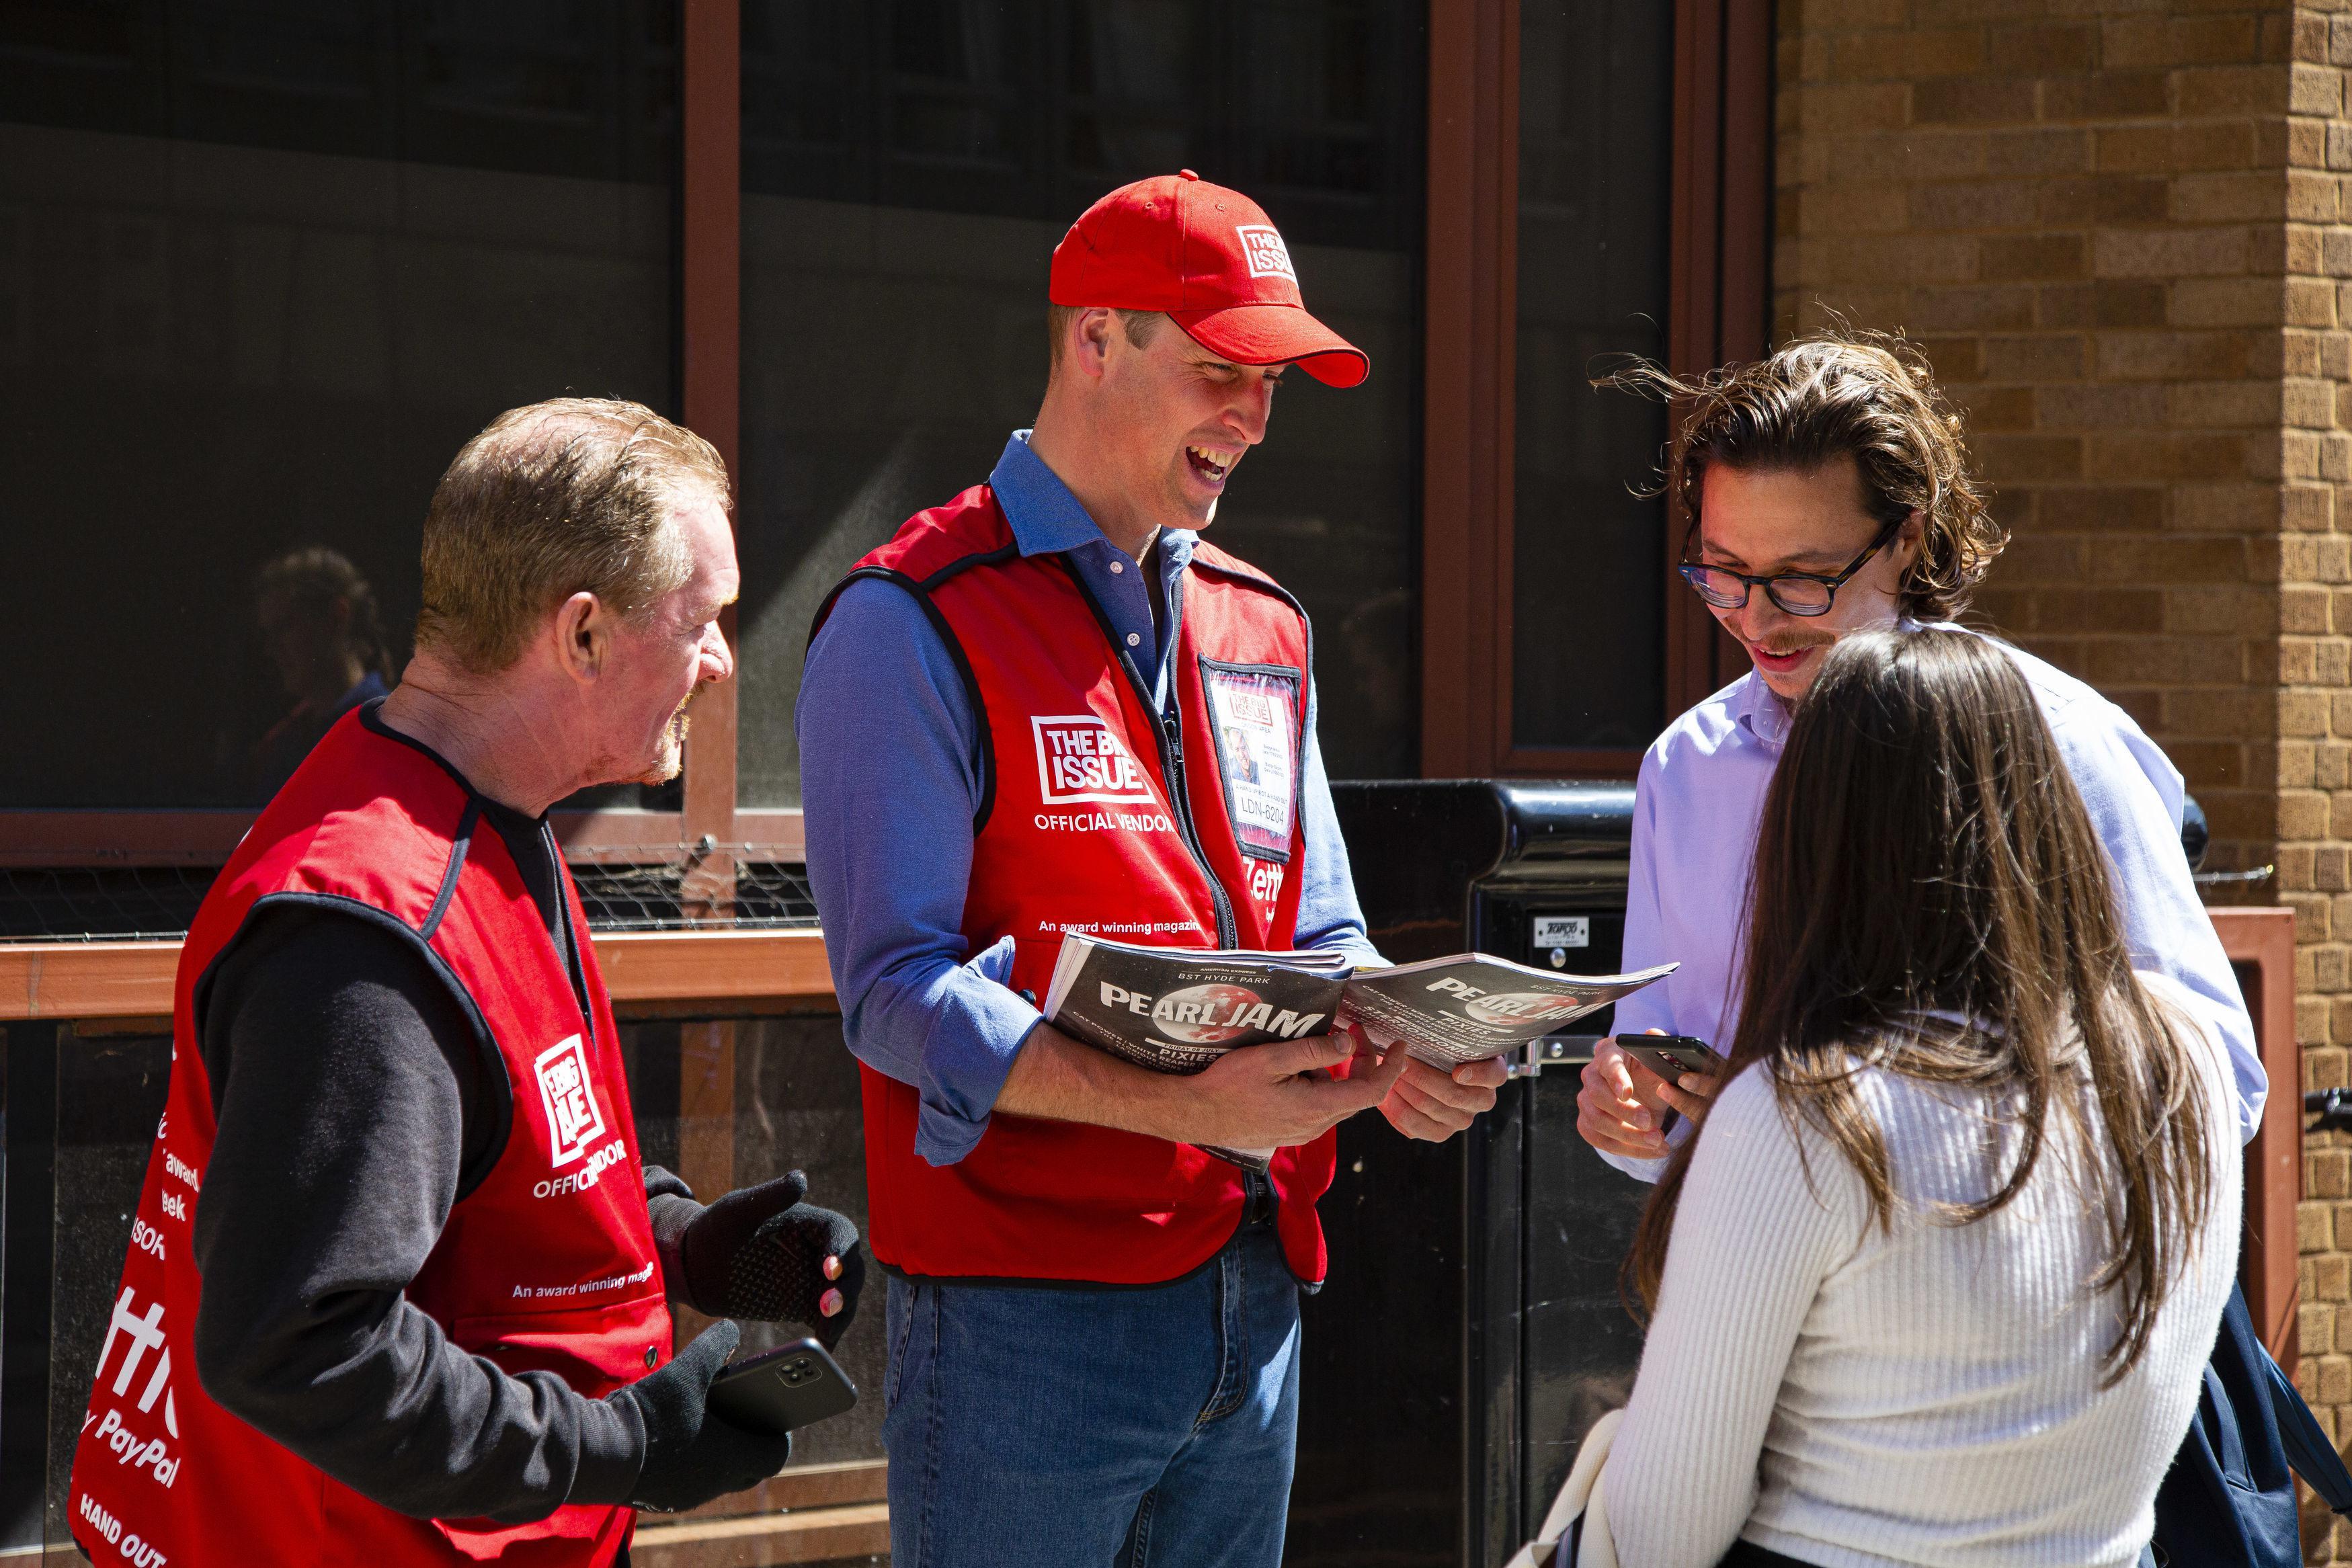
1830, 493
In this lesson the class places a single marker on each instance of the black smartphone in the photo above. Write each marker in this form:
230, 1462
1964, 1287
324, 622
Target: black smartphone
783, 1390
1672, 1055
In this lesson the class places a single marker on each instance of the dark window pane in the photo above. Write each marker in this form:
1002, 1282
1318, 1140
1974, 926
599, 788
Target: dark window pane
1588, 562
262, 268
80, 1114
909, 169
108, 1092
582, 88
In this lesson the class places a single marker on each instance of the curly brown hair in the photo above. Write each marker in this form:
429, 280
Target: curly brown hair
1839, 392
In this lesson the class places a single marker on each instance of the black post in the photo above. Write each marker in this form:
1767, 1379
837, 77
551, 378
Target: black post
28, 1138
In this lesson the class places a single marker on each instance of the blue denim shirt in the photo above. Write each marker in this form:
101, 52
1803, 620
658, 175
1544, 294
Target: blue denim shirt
890, 779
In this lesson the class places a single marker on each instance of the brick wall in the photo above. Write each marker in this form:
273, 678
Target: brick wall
2119, 228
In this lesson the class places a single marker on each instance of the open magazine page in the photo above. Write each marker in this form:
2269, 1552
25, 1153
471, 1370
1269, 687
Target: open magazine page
1177, 1009
1449, 1012
1174, 1010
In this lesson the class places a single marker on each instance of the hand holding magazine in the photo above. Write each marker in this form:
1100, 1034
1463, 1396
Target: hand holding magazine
1177, 1009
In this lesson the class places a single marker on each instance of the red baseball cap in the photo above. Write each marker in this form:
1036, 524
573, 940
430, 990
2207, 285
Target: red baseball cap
1209, 257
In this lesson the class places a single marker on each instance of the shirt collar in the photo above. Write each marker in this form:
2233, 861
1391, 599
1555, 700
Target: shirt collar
1047, 519
1758, 710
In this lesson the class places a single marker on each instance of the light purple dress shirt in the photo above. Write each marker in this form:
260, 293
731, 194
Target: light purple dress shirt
1701, 796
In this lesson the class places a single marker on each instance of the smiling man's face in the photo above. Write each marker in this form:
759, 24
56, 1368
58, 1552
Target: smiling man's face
1766, 521
661, 659
1178, 420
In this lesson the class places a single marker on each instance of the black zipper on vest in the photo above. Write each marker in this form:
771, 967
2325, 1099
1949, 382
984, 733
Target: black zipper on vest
1167, 732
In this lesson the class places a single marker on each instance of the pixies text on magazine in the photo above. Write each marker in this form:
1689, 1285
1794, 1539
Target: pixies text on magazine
1177, 1009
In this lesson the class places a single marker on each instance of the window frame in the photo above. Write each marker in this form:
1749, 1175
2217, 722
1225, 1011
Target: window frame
1718, 300
1719, 248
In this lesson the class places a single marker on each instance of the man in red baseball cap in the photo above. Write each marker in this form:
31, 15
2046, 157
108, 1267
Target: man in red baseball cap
1209, 260
1048, 706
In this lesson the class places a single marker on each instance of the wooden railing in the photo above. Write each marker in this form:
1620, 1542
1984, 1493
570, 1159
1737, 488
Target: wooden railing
815, 1514
832, 1512
648, 973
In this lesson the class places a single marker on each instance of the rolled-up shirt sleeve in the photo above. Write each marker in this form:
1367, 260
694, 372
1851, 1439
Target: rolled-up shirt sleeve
2133, 793
890, 781
1651, 1007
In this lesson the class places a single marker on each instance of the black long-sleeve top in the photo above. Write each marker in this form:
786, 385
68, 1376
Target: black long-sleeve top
355, 1108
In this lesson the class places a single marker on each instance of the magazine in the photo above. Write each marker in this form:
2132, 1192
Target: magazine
1177, 1009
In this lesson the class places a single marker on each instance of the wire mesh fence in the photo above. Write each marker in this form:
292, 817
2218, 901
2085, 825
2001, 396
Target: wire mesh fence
738, 886
741, 885
110, 905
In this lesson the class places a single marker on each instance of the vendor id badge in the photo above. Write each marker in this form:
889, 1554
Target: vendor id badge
1254, 709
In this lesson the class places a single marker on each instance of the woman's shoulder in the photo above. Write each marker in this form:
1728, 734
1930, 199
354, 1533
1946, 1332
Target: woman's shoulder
1746, 1126
1760, 1155
1752, 1108
1752, 1101
1750, 1124
1917, 1120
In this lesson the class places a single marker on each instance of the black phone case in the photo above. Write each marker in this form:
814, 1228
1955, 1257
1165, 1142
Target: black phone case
1671, 1055
783, 1390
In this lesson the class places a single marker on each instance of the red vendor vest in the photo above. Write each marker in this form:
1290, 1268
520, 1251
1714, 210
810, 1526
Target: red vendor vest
1097, 816
547, 1265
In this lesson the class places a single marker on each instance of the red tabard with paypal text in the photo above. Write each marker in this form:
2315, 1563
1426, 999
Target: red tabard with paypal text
1081, 832
547, 1265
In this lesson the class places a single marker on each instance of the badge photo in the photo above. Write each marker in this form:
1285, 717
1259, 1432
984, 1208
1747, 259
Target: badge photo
1254, 713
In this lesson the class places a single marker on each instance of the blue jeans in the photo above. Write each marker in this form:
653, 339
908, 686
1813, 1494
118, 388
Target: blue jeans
1096, 1427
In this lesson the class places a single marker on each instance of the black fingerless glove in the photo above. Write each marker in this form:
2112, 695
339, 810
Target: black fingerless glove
693, 1454
758, 1254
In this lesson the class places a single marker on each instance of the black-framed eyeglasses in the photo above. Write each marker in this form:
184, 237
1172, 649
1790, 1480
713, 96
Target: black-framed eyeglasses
1795, 592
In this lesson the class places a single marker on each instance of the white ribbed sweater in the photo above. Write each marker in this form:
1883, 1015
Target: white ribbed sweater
1931, 1397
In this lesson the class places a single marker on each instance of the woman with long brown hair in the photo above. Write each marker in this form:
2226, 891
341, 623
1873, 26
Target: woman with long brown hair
1935, 1280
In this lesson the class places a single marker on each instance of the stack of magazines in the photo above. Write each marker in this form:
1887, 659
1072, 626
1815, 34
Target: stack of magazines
1177, 1009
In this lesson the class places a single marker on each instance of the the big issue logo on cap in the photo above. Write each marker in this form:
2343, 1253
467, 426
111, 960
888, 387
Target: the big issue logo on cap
1211, 261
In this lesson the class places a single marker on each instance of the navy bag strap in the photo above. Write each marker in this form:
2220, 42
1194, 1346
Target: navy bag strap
2229, 1500
2314, 1458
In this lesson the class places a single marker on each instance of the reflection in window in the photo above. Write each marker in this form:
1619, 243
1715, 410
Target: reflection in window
908, 170
1588, 575
325, 642
264, 266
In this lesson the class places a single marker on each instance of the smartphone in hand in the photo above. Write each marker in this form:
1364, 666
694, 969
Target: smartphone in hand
1672, 1055
783, 1390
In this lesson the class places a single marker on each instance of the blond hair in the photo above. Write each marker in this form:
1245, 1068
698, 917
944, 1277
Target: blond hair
1841, 392
565, 496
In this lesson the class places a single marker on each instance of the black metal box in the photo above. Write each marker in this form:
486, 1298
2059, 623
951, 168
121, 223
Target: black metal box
1472, 1330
